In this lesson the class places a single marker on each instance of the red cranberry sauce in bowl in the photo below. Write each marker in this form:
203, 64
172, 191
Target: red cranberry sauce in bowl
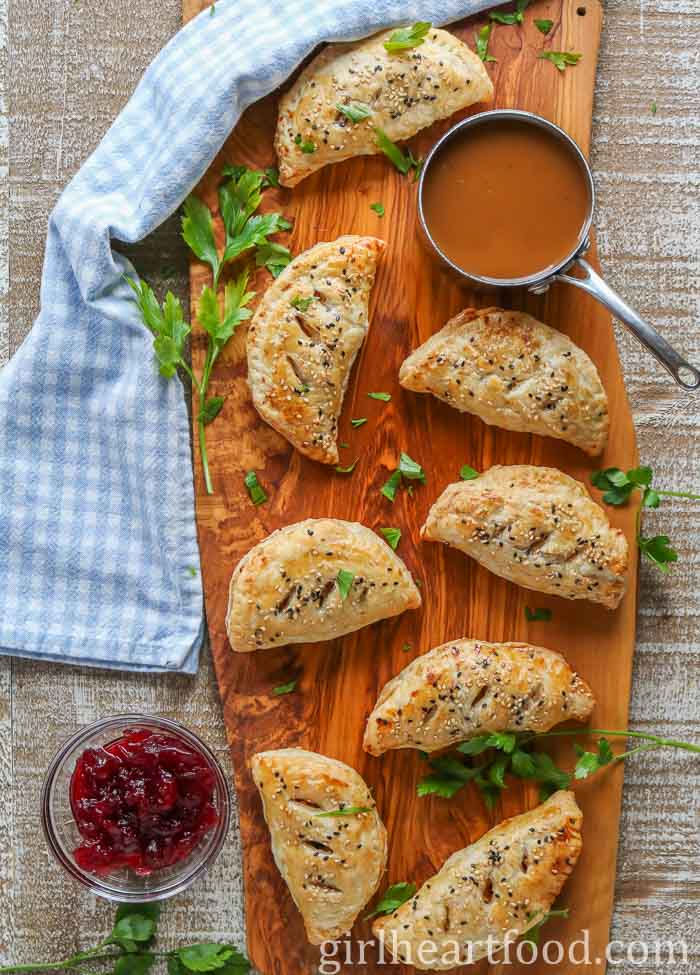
143, 801
135, 807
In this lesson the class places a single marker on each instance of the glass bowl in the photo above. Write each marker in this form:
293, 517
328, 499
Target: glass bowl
61, 831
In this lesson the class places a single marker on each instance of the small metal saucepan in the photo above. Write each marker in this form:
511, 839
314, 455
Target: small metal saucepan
686, 375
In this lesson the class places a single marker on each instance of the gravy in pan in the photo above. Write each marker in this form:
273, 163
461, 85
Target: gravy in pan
505, 199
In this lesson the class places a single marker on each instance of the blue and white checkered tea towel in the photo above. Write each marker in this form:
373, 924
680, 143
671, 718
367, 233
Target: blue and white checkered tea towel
98, 548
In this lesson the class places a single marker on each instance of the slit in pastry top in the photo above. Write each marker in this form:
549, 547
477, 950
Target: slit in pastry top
513, 372
304, 337
332, 865
403, 91
286, 589
537, 527
467, 688
505, 882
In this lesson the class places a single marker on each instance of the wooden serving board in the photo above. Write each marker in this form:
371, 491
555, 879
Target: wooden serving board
338, 682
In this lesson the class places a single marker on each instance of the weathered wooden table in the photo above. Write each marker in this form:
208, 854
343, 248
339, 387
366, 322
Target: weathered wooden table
66, 69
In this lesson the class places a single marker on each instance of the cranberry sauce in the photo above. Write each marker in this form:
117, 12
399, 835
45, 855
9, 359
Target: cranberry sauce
142, 802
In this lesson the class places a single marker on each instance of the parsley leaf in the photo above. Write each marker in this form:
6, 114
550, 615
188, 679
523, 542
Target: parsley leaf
522, 764
349, 469
618, 486
392, 899
346, 811
134, 964
255, 491
449, 776
560, 59
275, 257
272, 177
392, 535
543, 25
468, 473
305, 144
284, 688
355, 111
167, 324
392, 485
405, 162
344, 581
654, 108
658, 550
221, 329
301, 304
410, 469
408, 37
211, 409
539, 615
134, 925
482, 43
198, 232
589, 762
358, 422
384, 397
211, 957
511, 18
378, 208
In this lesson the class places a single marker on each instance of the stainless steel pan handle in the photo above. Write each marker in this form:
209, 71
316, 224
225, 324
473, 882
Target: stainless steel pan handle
685, 375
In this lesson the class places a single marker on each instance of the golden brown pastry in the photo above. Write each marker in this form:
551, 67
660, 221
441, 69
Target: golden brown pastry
315, 580
513, 372
505, 882
304, 337
467, 688
404, 92
331, 864
536, 527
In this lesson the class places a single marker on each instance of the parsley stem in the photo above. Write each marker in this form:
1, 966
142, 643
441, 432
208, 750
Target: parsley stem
204, 457
658, 742
678, 494
94, 954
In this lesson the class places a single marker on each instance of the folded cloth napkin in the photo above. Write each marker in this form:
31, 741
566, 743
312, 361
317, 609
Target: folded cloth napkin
98, 548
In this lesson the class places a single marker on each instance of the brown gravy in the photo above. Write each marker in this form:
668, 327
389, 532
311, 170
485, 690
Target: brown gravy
505, 199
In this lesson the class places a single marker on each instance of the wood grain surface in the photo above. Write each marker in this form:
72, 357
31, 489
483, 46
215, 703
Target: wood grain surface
338, 682
66, 70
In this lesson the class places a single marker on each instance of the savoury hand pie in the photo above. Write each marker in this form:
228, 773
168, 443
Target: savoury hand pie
403, 92
467, 688
513, 372
504, 883
331, 864
315, 580
304, 337
536, 527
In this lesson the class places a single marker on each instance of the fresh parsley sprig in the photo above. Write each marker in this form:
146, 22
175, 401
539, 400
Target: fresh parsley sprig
618, 486
128, 950
170, 331
513, 754
239, 198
